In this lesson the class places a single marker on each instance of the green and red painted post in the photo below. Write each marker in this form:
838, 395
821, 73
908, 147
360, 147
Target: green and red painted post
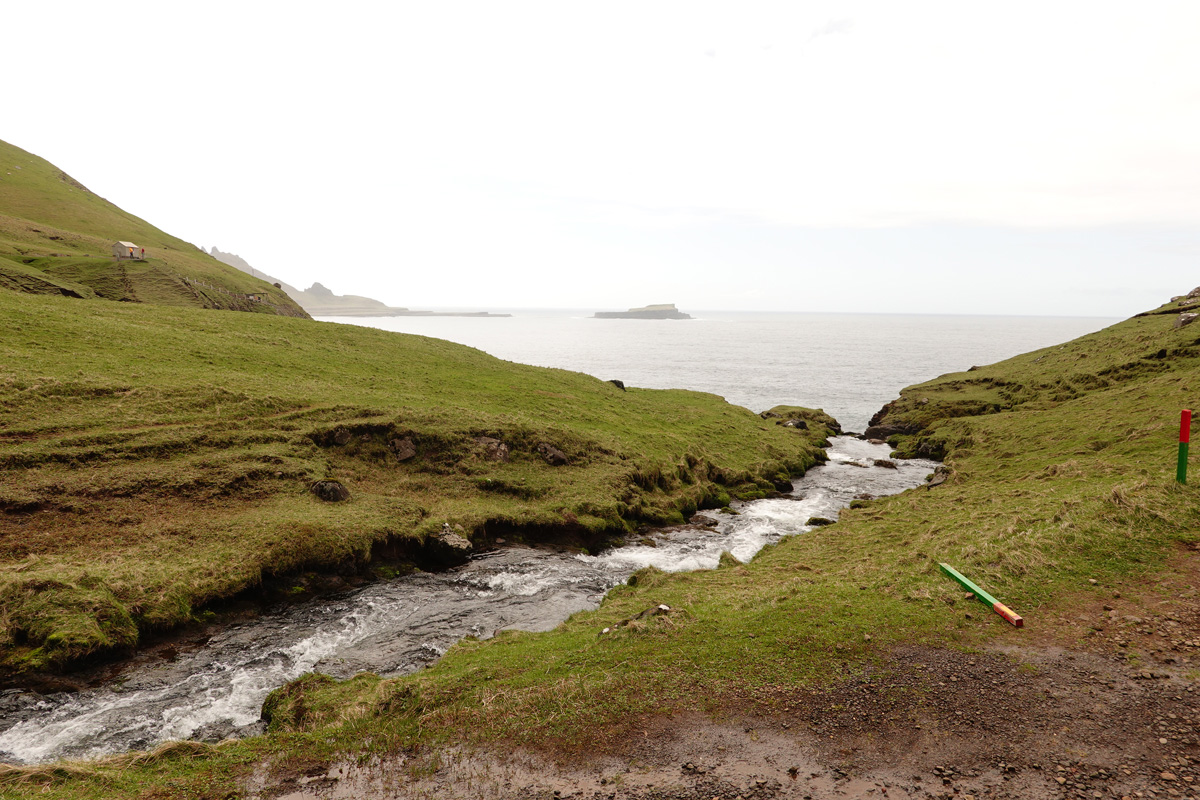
1185, 435
983, 597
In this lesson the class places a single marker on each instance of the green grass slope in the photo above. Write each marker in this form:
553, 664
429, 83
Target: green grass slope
56, 238
155, 458
1061, 486
1060, 491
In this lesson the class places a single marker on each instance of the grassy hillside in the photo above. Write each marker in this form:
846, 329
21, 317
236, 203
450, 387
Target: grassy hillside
56, 238
154, 458
1060, 495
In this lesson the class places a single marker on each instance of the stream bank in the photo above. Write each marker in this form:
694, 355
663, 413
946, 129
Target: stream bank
398, 626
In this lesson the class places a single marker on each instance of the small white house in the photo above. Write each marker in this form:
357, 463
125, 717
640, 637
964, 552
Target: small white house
128, 250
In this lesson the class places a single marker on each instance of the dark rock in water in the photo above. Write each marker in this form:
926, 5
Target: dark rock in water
882, 432
703, 519
619, 384
876, 441
403, 448
883, 462
554, 457
330, 491
493, 449
449, 546
782, 484
817, 522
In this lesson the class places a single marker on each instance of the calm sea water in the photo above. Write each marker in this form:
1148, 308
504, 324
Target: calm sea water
848, 364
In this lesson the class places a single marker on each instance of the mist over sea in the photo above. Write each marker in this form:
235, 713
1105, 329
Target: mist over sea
848, 364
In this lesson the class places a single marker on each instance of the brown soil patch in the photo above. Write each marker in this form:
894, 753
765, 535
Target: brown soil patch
1099, 701
935, 724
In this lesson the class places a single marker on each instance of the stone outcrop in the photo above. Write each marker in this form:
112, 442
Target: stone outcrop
554, 457
404, 448
330, 491
882, 432
493, 449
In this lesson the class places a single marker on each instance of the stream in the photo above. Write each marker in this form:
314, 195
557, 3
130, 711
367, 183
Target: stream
398, 626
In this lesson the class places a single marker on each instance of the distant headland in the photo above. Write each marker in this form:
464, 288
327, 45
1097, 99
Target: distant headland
660, 311
319, 301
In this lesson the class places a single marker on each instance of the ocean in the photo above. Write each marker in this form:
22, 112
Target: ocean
850, 365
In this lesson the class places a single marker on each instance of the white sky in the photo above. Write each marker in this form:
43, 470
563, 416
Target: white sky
1018, 157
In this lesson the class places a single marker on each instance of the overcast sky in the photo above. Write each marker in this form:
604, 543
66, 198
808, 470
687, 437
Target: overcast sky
1019, 157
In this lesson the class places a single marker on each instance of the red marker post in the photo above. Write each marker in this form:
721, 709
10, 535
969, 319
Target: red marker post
1185, 435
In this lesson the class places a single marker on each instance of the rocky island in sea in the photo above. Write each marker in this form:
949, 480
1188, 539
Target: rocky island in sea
660, 311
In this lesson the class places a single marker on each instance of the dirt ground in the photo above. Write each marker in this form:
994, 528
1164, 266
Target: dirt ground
1097, 703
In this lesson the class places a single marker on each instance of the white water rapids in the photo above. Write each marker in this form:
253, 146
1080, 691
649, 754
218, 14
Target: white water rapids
398, 626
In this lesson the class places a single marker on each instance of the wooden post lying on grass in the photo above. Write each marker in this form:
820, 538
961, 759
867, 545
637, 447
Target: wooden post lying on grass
1185, 435
983, 596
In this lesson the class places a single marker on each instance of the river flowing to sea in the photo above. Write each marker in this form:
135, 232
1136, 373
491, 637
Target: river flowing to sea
850, 365
399, 626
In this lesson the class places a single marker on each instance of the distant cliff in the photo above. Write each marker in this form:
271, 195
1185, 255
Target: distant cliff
317, 300
320, 301
660, 311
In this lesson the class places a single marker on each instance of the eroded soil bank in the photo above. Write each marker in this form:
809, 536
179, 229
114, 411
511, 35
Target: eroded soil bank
212, 687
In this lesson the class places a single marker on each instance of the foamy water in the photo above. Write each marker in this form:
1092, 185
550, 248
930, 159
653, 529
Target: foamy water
398, 626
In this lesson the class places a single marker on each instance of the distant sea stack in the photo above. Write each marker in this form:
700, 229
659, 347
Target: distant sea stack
660, 311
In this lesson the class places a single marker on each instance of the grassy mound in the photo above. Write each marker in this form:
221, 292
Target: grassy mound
155, 459
56, 238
